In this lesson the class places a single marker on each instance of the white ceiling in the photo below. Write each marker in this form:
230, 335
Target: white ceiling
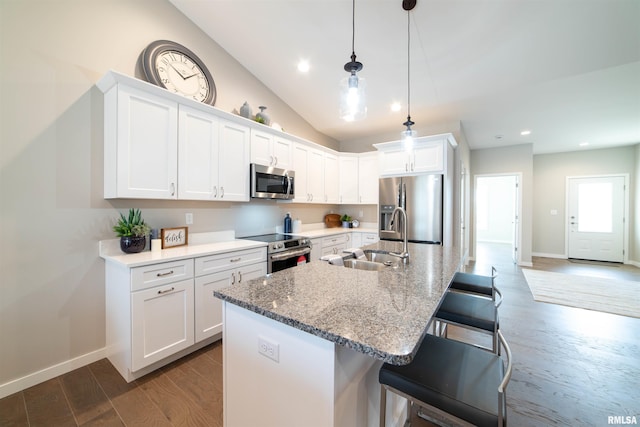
568, 70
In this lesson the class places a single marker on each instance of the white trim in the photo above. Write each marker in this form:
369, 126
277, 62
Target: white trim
45, 374
525, 264
546, 255
635, 263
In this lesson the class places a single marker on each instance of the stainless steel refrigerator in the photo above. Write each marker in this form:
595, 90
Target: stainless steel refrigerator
421, 197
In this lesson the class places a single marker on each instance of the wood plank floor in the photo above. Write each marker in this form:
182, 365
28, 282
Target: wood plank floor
573, 367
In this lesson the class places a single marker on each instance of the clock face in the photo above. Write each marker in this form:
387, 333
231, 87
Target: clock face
180, 74
177, 69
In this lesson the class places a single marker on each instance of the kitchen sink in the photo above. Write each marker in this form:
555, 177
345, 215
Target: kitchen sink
375, 261
360, 264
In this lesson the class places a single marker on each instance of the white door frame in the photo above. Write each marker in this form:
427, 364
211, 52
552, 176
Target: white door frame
625, 231
518, 238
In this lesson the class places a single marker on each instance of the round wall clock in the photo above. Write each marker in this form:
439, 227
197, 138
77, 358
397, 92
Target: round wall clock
174, 67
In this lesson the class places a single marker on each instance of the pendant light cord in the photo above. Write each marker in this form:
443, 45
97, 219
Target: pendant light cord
408, 66
353, 30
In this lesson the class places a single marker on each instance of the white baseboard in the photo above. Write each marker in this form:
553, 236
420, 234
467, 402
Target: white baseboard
634, 263
45, 374
545, 255
525, 264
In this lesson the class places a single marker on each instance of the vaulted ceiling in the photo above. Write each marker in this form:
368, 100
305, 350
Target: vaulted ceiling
566, 70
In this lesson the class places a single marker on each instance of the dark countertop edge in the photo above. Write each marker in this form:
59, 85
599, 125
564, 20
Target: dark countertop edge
393, 359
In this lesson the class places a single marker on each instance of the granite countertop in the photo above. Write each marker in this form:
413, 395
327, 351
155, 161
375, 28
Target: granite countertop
382, 314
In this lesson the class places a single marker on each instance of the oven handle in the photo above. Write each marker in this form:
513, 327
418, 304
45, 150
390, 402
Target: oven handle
290, 254
286, 175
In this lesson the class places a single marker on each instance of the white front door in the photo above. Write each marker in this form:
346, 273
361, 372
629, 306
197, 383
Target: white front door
596, 218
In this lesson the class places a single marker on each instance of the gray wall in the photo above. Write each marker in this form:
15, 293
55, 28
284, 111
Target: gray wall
513, 159
52, 210
550, 173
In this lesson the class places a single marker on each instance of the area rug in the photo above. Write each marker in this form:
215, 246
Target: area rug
592, 293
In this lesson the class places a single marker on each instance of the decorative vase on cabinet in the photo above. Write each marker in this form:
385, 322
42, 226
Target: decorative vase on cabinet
263, 117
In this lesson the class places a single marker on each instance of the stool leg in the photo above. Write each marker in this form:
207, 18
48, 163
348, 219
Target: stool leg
383, 405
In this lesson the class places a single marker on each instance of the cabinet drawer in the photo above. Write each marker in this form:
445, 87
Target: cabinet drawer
160, 274
335, 240
219, 262
369, 238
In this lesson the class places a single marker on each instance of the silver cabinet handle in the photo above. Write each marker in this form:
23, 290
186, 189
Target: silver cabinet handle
168, 273
276, 157
215, 191
271, 161
239, 276
235, 259
173, 189
166, 291
233, 278
221, 192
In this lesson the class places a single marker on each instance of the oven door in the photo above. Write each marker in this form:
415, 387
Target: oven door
287, 259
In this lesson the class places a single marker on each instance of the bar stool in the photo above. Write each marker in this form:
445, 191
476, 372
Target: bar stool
473, 312
452, 382
477, 284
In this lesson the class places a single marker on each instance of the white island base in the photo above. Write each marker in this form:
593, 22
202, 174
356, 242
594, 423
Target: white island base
312, 381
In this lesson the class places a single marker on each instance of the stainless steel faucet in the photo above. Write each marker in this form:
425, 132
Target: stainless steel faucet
404, 255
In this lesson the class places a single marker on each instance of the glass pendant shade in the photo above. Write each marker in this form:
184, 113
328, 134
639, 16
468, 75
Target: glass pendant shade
408, 135
353, 105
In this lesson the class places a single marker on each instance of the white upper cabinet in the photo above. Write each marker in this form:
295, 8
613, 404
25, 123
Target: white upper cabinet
269, 149
308, 164
140, 145
331, 178
349, 178
368, 178
198, 155
159, 145
427, 156
233, 172
213, 158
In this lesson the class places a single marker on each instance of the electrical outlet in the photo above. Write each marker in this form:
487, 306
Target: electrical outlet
269, 348
360, 214
188, 218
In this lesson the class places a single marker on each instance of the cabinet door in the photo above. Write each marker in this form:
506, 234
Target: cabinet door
316, 250
429, 158
300, 167
197, 154
282, 153
394, 162
356, 240
161, 321
368, 179
331, 178
370, 238
208, 316
233, 164
147, 146
261, 148
349, 179
315, 177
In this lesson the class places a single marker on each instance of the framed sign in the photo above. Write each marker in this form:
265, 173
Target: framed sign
172, 237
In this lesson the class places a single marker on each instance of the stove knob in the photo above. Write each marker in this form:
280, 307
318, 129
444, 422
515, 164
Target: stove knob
304, 242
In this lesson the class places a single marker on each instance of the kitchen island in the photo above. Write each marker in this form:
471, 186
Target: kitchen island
303, 346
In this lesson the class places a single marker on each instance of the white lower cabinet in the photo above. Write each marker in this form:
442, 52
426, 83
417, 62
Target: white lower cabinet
334, 245
159, 312
161, 322
235, 267
369, 238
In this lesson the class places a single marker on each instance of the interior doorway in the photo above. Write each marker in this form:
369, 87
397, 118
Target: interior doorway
498, 211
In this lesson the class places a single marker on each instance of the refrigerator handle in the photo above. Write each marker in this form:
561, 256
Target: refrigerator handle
403, 197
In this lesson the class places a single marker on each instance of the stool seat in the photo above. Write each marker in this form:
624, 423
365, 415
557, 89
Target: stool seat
470, 310
474, 283
457, 378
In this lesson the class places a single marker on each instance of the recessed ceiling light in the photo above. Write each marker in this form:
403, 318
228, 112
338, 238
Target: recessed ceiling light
584, 144
525, 132
303, 66
396, 107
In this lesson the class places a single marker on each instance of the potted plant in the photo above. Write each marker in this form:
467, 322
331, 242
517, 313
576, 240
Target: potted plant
132, 231
346, 221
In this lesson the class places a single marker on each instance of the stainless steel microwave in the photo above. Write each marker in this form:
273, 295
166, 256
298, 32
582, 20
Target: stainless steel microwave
271, 183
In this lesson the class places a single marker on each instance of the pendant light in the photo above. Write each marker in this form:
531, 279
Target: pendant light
408, 134
352, 88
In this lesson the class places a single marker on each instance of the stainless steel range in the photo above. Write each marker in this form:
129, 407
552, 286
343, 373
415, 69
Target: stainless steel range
284, 250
